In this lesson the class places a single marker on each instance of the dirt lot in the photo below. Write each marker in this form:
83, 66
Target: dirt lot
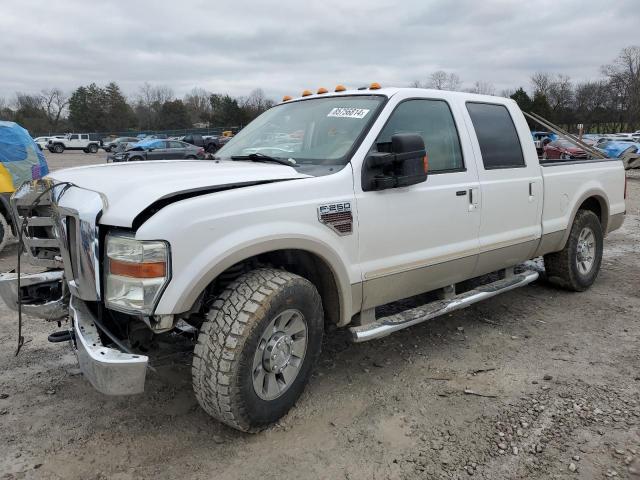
560, 373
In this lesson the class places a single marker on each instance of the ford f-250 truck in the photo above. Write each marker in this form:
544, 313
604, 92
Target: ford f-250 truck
322, 209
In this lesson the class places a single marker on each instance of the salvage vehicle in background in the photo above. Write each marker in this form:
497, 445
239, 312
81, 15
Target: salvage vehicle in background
210, 143
562, 149
111, 145
86, 142
628, 152
387, 194
159, 150
42, 141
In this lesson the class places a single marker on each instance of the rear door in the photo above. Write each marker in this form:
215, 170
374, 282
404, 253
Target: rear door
510, 184
158, 150
418, 238
176, 149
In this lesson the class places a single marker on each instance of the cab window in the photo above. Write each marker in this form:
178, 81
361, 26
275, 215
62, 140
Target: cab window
499, 142
433, 121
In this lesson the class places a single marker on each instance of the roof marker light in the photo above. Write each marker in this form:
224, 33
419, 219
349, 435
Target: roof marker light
340, 88
322, 90
286, 98
306, 93
375, 86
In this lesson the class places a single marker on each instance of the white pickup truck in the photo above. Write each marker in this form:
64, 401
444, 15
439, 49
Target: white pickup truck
73, 141
322, 209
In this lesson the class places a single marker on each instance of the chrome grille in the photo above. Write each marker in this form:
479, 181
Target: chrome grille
61, 231
40, 237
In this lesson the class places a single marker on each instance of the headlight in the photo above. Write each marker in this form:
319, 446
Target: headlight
136, 272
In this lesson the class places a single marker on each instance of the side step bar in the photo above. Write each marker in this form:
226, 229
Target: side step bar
386, 325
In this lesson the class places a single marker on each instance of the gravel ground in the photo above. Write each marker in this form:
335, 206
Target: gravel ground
536, 383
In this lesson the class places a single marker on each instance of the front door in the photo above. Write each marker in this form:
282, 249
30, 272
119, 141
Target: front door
418, 238
511, 186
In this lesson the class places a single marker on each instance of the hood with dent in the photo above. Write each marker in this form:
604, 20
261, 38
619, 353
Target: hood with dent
129, 188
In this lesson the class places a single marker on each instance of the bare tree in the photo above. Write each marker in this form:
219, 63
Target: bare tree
541, 83
150, 99
624, 80
198, 105
483, 88
54, 102
442, 80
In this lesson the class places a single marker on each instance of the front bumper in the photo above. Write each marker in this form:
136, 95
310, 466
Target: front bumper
43, 294
109, 370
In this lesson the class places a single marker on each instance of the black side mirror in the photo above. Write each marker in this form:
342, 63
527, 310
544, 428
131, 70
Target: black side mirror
405, 165
546, 141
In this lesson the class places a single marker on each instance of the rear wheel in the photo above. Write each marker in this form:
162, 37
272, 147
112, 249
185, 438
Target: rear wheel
93, 148
257, 348
576, 266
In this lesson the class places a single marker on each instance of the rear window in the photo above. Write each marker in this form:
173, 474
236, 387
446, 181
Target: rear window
499, 142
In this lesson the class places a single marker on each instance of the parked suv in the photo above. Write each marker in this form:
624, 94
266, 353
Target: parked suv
110, 145
74, 141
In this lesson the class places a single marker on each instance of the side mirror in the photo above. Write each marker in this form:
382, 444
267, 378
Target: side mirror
546, 141
405, 165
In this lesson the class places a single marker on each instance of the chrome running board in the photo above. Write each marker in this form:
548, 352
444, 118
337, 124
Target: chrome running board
386, 325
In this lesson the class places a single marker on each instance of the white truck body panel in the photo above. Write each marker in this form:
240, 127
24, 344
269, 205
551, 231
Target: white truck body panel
404, 240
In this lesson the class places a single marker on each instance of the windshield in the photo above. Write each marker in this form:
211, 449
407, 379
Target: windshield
315, 131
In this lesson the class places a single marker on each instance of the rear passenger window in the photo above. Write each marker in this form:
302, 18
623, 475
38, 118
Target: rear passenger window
433, 121
497, 136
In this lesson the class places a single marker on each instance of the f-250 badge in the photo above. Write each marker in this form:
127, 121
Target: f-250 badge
337, 216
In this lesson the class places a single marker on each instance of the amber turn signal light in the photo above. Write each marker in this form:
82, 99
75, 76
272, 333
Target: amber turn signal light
375, 86
340, 88
286, 98
137, 270
306, 93
322, 90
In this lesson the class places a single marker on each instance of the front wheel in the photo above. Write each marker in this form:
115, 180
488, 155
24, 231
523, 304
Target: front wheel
58, 148
576, 266
257, 348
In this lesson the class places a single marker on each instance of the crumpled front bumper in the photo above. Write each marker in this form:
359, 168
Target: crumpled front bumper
36, 301
109, 370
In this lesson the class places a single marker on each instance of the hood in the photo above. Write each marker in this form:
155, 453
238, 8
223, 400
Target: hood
129, 188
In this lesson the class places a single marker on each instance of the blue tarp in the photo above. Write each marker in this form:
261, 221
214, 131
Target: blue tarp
20, 155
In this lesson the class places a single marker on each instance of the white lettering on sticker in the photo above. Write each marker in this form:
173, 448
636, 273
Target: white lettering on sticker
345, 112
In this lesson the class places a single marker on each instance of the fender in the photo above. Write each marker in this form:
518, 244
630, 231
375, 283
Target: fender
179, 297
602, 198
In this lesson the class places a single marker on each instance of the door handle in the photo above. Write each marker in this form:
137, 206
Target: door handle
461, 193
474, 197
531, 192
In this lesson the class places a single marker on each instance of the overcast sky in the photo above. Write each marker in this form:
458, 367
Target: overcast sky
289, 45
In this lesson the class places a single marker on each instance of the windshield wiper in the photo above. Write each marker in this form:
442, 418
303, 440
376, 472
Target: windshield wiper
261, 157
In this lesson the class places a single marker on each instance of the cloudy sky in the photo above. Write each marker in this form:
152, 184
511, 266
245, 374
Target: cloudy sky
289, 45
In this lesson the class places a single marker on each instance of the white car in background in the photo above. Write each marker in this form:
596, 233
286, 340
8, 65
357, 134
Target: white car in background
42, 141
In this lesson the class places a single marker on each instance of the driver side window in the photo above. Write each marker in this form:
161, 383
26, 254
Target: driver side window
433, 121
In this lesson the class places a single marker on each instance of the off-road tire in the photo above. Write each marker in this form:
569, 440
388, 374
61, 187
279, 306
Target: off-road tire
93, 148
223, 357
562, 267
58, 148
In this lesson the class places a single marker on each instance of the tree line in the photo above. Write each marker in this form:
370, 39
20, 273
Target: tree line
93, 108
610, 103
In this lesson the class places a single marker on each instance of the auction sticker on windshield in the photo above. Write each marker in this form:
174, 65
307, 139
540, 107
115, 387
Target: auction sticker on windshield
345, 112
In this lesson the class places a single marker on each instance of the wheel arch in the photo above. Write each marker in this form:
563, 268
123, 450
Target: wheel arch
311, 260
592, 200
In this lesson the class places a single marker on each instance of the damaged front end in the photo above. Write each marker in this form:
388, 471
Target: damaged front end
59, 231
